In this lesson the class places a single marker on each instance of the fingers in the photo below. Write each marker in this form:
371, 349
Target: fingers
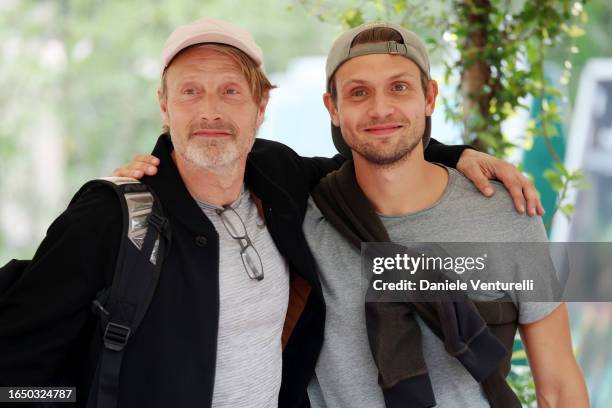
480, 180
517, 196
534, 205
146, 163
141, 165
479, 167
127, 172
523, 192
146, 158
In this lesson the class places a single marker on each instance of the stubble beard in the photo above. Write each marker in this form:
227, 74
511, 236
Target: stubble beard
388, 156
213, 154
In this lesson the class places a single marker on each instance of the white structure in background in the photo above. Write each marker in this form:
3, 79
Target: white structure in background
590, 149
297, 117
32, 186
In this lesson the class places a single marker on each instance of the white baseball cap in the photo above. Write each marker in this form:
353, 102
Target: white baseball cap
210, 30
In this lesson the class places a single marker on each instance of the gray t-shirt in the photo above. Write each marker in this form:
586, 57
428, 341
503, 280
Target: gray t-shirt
251, 314
345, 375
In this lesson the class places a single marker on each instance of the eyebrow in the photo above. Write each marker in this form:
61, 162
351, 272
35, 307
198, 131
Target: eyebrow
399, 75
228, 78
402, 74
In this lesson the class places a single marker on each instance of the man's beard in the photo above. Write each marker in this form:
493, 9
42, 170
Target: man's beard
215, 152
211, 153
383, 155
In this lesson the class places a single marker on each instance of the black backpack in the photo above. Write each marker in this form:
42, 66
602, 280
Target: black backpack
145, 241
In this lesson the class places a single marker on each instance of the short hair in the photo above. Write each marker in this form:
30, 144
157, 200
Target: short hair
375, 35
260, 85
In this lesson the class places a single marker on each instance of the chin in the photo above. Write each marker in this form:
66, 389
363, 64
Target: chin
212, 156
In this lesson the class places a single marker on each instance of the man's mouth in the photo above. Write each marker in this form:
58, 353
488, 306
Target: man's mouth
211, 133
383, 130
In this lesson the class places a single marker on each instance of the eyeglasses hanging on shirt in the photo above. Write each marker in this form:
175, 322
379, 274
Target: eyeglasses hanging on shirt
237, 230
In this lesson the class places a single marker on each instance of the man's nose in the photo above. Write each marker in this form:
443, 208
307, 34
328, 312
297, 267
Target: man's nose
209, 107
380, 106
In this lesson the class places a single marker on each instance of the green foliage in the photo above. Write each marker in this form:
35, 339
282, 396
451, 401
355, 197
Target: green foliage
521, 381
520, 378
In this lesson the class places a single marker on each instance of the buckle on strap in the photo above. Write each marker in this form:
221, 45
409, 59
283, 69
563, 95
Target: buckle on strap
116, 336
393, 47
97, 308
158, 222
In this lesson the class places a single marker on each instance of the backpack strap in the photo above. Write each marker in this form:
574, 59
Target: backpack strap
144, 242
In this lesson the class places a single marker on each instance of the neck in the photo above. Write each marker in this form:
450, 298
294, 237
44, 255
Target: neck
405, 187
220, 186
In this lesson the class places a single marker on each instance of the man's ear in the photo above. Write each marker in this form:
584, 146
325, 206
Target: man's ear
331, 108
163, 107
430, 99
261, 109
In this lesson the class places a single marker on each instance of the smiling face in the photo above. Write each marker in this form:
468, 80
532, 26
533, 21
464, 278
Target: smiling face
209, 107
381, 106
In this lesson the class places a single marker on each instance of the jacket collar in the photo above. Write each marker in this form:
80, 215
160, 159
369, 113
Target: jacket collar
265, 188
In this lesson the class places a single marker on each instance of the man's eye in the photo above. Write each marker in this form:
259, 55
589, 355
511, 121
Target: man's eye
189, 91
231, 91
400, 87
359, 92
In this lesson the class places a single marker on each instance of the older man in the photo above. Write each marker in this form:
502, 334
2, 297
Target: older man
237, 317
237, 301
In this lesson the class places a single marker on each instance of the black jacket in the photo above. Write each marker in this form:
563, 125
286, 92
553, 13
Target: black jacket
46, 324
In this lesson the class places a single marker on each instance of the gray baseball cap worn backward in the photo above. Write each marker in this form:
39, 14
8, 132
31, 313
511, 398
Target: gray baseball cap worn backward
342, 50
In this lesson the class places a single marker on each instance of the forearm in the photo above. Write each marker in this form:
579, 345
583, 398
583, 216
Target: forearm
558, 379
445, 154
571, 392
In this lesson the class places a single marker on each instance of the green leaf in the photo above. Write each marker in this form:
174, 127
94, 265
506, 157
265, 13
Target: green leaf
554, 179
582, 185
551, 130
575, 31
352, 18
562, 169
568, 209
576, 175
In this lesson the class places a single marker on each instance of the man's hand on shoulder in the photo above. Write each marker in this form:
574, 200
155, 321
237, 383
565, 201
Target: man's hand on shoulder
141, 165
481, 167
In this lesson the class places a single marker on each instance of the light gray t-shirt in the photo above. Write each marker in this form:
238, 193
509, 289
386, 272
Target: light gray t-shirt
251, 314
345, 375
